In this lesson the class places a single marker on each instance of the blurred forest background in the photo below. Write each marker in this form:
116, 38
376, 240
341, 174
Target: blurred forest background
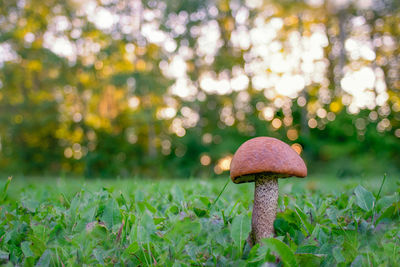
172, 88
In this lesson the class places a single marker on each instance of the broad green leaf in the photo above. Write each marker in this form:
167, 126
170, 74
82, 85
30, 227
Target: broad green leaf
41, 235
111, 214
332, 214
133, 233
141, 206
177, 194
205, 200
132, 248
97, 231
145, 228
386, 202
322, 208
388, 213
307, 249
392, 247
281, 226
150, 207
73, 207
26, 249
364, 199
350, 202
173, 209
319, 234
30, 204
88, 212
200, 212
4, 256
304, 220
45, 259
241, 227
337, 254
139, 195
357, 262
350, 244
308, 259
99, 255
182, 231
158, 220
187, 226
177, 264
282, 250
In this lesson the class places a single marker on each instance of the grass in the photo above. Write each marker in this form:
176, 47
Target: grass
72, 222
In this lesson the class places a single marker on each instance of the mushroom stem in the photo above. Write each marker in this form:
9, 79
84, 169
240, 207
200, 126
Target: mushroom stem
264, 210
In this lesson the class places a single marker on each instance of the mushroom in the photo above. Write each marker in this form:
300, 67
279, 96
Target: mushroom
263, 160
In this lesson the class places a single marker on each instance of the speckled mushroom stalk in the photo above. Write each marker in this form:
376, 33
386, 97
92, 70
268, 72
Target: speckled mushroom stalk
264, 210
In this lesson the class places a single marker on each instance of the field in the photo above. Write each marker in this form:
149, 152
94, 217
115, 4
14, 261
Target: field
73, 222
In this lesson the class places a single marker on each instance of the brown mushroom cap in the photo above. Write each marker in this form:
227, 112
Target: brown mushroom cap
266, 155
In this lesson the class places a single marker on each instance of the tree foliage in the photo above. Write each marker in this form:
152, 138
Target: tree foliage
154, 87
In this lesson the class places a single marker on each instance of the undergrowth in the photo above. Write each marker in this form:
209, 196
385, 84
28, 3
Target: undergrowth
170, 223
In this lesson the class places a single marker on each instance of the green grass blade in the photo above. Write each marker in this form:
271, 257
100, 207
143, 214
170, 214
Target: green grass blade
220, 193
5, 188
380, 189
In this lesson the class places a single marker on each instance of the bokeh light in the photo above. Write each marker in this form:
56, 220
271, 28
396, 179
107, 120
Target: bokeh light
205, 160
133, 81
297, 147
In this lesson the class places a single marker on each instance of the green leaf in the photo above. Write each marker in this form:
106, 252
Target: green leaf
307, 259
146, 228
4, 256
96, 230
139, 195
304, 219
391, 248
281, 226
111, 214
30, 204
132, 248
322, 208
150, 207
205, 200
200, 212
364, 199
88, 212
388, 213
319, 234
99, 255
44, 259
158, 220
173, 209
256, 254
26, 249
386, 202
182, 231
241, 227
337, 254
282, 250
73, 207
307, 249
357, 262
332, 214
178, 194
